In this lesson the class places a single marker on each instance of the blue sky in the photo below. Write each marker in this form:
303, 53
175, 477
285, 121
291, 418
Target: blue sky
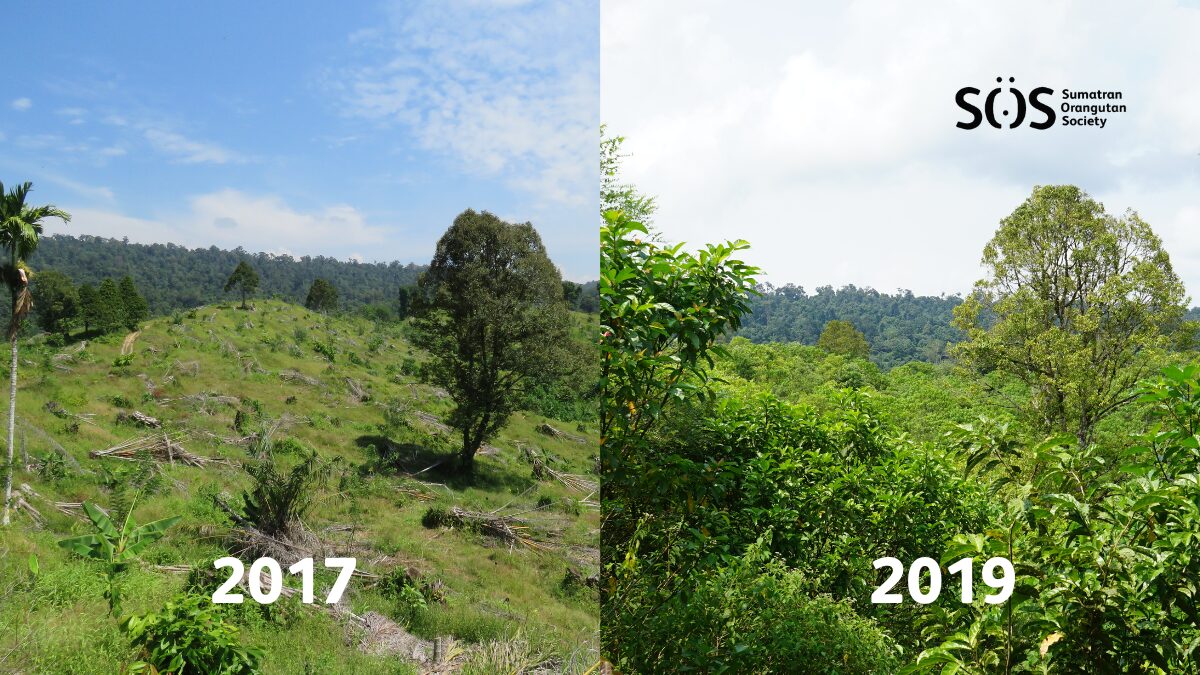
292, 128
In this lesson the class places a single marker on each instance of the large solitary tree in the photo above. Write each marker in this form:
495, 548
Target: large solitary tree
1073, 303
322, 296
245, 279
491, 314
20, 230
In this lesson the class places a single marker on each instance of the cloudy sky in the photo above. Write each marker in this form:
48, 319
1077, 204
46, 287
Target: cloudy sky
824, 133
357, 132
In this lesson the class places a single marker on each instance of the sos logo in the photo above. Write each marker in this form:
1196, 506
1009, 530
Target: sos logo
1017, 115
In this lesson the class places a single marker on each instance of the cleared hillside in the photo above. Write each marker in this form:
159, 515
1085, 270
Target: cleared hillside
218, 379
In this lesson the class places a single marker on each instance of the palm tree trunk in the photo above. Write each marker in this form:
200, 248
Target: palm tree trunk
12, 425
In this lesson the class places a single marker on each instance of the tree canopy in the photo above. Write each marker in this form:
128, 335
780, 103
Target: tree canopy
1075, 303
841, 337
491, 315
56, 301
322, 296
244, 279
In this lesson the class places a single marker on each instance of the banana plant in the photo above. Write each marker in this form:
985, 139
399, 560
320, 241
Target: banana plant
115, 547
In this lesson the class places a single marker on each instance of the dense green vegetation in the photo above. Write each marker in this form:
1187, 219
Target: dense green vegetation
749, 487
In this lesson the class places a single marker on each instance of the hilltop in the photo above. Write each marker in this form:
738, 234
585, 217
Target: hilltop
503, 564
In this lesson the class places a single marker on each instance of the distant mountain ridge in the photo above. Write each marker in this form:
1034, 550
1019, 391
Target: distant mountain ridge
900, 327
174, 277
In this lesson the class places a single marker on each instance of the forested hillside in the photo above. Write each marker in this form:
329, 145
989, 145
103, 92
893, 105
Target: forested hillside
174, 277
900, 328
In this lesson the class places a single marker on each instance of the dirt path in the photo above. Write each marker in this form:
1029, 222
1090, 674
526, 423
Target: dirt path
127, 345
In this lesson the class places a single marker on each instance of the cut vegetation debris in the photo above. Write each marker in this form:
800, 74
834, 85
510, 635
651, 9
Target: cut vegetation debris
297, 376
547, 429
507, 529
160, 448
141, 418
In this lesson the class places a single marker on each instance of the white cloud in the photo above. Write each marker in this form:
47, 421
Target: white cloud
187, 150
230, 218
508, 89
825, 135
22, 104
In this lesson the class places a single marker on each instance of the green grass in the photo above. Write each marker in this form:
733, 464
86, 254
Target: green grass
59, 622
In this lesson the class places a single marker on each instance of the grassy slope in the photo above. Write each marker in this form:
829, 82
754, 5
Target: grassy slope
493, 592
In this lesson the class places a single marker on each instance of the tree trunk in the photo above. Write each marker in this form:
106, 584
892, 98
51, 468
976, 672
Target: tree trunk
12, 425
466, 462
466, 458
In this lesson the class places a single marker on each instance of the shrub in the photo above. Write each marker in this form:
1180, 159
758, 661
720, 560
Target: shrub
188, 635
756, 616
326, 349
279, 498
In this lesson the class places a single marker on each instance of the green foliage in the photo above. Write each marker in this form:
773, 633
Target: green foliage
326, 349
661, 311
841, 337
134, 309
1106, 560
56, 301
491, 316
115, 547
616, 195
1081, 301
280, 497
188, 635
110, 309
755, 615
245, 279
322, 297
90, 312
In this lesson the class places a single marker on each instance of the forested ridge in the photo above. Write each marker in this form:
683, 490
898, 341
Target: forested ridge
900, 327
174, 277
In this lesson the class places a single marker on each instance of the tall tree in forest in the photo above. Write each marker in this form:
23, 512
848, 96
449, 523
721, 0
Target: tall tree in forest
491, 315
56, 301
134, 309
405, 299
245, 279
1073, 303
20, 229
110, 308
322, 296
841, 337
89, 310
